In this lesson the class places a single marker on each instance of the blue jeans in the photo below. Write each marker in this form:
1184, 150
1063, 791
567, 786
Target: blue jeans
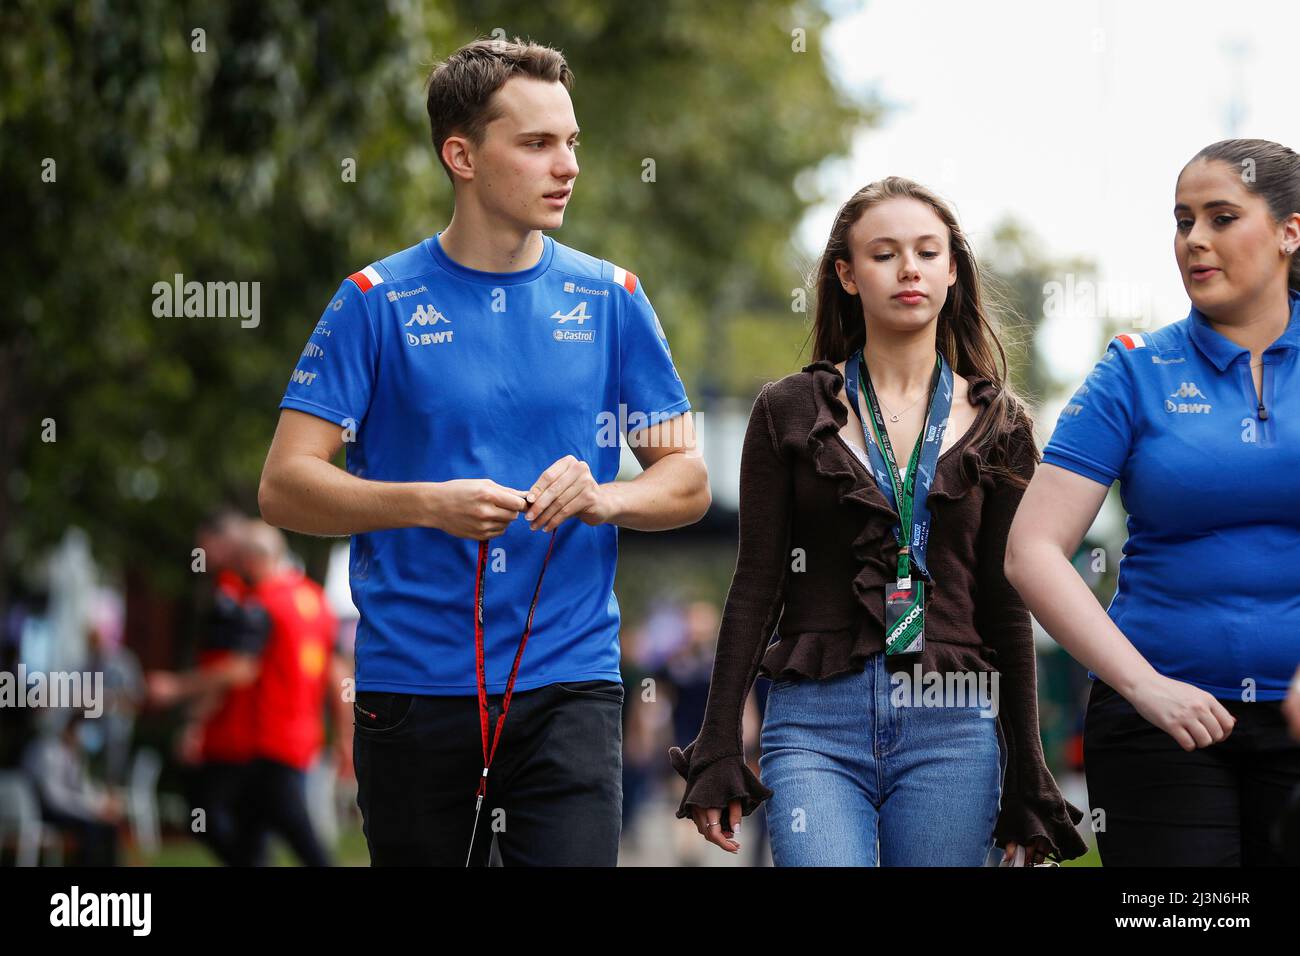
848, 770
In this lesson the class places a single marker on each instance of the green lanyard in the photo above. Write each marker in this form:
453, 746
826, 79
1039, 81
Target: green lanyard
907, 496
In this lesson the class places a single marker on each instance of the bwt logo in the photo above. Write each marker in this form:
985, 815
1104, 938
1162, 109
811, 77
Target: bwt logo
303, 378
428, 315
428, 338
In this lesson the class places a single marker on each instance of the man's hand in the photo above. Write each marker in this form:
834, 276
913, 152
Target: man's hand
565, 489
476, 508
163, 688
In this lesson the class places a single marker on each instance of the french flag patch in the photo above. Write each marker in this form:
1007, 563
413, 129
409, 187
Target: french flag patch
626, 279
367, 278
1131, 340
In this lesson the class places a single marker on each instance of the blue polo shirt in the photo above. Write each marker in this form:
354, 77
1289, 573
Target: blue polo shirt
438, 372
1209, 584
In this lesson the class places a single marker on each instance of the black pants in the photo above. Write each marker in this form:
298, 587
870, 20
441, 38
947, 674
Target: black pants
554, 794
277, 802
247, 802
1222, 805
217, 788
97, 843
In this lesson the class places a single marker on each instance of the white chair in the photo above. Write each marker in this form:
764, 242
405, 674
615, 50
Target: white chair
321, 804
142, 801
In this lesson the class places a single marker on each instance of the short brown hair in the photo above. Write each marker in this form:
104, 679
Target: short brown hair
461, 87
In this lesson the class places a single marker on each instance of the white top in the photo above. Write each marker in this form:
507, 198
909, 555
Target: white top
866, 461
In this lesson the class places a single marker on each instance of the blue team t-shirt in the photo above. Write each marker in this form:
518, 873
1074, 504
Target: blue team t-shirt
441, 372
1209, 584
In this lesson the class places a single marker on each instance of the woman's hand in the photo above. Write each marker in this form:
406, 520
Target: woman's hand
1191, 716
711, 825
1035, 851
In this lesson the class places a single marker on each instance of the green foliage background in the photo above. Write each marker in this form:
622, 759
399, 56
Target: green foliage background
225, 165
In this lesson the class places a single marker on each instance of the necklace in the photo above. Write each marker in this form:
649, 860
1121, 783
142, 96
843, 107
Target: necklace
892, 416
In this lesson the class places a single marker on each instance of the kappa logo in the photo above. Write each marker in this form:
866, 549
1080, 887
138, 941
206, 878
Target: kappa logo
577, 314
428, 315
1187, 390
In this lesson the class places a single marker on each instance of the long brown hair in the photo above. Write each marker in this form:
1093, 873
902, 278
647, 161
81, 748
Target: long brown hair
967, 334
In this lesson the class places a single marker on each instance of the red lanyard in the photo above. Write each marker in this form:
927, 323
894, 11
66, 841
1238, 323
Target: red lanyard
490, 751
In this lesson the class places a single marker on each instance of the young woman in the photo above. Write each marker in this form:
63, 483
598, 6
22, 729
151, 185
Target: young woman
859, 765
1185, 744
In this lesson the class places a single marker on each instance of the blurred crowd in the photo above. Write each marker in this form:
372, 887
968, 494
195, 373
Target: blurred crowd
247, 722
250, 744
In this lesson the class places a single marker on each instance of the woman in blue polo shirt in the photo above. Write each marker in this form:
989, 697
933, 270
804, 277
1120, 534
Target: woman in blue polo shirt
1185, 747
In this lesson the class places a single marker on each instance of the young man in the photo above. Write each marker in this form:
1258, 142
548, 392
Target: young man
483, 373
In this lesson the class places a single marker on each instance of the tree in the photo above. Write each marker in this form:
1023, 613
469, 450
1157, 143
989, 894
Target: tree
285, 145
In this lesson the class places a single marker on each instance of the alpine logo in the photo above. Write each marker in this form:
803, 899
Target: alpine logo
1187, 390
577, 314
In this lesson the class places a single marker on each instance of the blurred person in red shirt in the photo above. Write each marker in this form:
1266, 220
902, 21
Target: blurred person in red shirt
217, 740
299, 674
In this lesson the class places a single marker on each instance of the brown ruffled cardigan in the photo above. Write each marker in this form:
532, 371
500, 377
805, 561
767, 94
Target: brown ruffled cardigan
802, 487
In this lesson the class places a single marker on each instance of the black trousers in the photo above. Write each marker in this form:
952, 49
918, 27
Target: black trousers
277, 800
247, 802
1222, 805
217, 788
554, 793
97, 841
